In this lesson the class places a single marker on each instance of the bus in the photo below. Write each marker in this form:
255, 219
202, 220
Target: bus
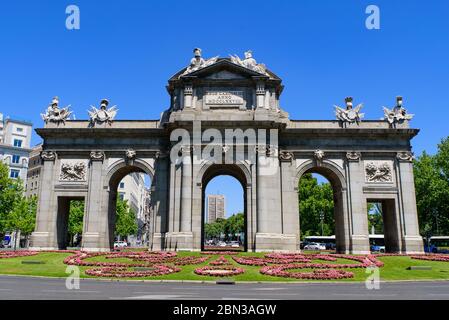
437, 244
377, 243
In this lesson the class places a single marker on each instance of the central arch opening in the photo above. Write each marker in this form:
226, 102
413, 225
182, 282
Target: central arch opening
224, 214
129, 208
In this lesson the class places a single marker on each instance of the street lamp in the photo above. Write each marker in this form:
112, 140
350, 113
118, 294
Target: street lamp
322, 222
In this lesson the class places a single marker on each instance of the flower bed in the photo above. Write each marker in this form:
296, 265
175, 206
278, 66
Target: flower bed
16, 254
216, 253
222, 261
431, 257
326, 274
216, 271
123, 272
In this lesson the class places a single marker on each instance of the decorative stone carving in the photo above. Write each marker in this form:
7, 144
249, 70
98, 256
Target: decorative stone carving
55, 114
349, 114
48, 155
318, 155
398, 114
198, 62
353, 156
73, 172
97, 156
225, 148
378, 171
286, 156
249, 62
272, 150
405, 156
102, 115
130, 154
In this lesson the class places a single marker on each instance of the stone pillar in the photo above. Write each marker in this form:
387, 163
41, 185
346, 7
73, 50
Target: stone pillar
289, 200
412, 241
188, 96
260, 95
159, 202
359, 217
269, 234
96, 224
45, 235
181, 237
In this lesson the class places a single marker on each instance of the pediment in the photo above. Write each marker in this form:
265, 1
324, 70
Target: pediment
222, 69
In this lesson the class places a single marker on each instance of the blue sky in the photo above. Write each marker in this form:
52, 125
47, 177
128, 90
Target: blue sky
126, 51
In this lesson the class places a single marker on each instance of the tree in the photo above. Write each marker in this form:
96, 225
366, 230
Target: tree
22, 218
315, 199
125, 223
76, 215
431, 174
11, 193
235, 224
375, 219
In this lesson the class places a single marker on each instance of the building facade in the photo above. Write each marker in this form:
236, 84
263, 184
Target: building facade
225, 118
215, 207
33, 174
15, 139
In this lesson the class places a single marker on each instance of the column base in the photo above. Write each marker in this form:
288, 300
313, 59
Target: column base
40, 241
276, 242
94, 242
175, 241
157, 242
413, 245
360, 244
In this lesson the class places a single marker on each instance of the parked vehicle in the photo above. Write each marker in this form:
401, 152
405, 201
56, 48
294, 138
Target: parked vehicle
222, 244
315, 246
234, 244
377, 243
327, 241
120, 244
437, 244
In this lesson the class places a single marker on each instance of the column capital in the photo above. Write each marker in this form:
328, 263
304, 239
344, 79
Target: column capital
97, 156
405, 156
353, 156
286, 156
48, 155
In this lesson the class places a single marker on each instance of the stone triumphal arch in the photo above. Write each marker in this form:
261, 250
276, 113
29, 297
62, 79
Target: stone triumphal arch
225, 118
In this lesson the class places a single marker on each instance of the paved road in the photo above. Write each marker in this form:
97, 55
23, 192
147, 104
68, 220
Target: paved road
44, 288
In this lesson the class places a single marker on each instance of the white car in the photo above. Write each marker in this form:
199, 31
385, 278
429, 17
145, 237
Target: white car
315, 246
234, 244
120, 244
222, 244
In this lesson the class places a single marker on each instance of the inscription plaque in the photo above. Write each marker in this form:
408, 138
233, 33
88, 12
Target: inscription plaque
224, 98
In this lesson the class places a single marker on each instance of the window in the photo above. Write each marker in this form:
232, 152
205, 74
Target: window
121, 196
122, 185
15, 159
18, 129
14, 174
17, 143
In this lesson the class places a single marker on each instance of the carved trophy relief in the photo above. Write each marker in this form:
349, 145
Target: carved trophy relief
73, 171
378, 171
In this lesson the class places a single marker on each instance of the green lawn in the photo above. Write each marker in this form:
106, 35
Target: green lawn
395, 268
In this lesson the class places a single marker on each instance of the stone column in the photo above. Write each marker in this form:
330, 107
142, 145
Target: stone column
188, 96
359, 216
95, 230
269, 234
289, 200
45, 236
186, 190
260, 95
412, 241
